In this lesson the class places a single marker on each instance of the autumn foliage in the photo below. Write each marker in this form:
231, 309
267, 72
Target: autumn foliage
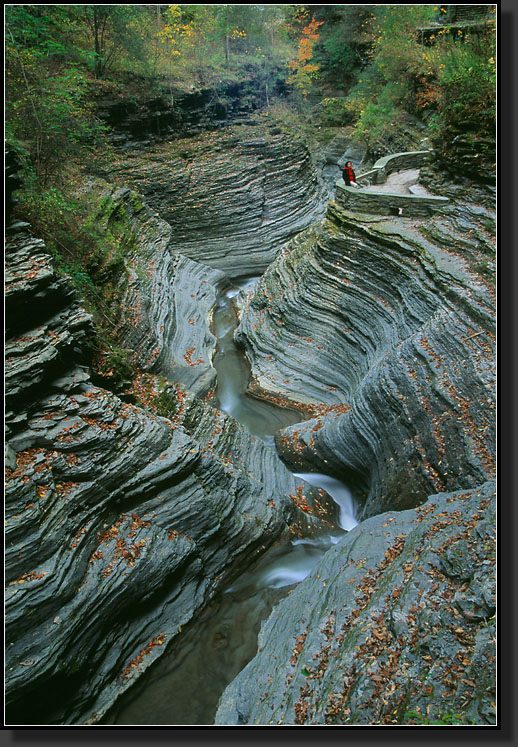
303, 68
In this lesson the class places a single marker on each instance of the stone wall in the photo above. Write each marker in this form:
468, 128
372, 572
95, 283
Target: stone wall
394, 162
383, 203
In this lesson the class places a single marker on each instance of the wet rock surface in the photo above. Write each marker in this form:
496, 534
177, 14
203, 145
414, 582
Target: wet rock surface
395, 625
120, 523
135, 121
394, 320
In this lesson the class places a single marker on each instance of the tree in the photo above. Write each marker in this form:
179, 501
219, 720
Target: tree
47, 105
304, 70
112, 28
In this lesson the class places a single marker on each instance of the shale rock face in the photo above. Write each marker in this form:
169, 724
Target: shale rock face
162, 301
184, 112
231, 199
384, 330
395, 625
120, 523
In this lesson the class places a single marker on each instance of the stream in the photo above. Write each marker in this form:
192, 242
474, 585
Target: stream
184, 686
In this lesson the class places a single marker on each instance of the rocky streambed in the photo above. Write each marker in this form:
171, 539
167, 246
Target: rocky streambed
127, 518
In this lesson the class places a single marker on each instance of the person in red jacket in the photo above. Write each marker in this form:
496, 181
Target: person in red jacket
348, 175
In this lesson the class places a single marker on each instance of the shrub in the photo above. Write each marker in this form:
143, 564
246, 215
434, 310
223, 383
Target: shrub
338, 112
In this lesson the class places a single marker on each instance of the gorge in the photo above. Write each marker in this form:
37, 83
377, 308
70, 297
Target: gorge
135, 510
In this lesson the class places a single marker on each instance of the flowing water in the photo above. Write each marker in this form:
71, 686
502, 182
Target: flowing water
261, 418
184, 686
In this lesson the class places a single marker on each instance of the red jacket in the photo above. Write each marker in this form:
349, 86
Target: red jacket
348, 174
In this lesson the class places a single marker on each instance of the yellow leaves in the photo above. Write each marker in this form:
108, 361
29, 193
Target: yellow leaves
32, 576
239, 34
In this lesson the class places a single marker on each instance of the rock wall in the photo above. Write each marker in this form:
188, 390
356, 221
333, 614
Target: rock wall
120, 523
384, 330
162, 301
139, 119
124, 519
395, 626
232, 199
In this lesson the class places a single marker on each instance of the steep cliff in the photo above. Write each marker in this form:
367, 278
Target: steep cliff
120, 523
383, 328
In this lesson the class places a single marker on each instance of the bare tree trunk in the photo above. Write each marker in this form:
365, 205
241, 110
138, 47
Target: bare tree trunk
97, 45
227, 40
157, 40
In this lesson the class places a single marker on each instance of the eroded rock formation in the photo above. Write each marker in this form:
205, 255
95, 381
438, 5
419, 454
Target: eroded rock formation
232, 199
124, 517
120, 523
384, 329
395, 625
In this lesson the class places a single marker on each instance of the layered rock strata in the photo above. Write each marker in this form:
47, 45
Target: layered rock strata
120, 523
383, 329
184, 112
162, 301
395, 321
395, 625
231, 198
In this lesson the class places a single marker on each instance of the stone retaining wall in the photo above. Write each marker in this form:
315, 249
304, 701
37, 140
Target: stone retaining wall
395, 162
384, 203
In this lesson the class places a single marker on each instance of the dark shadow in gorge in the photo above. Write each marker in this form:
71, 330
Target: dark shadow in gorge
183, 687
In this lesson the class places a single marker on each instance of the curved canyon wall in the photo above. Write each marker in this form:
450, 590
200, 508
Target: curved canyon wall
232, 198
383, 330
124, 516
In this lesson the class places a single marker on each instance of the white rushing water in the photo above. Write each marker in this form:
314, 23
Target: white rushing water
296, 564
338, 492
262, 420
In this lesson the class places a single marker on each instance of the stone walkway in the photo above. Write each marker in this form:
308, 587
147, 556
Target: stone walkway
400, 182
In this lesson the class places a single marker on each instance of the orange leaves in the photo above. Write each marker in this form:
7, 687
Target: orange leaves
300, 500
188, 358
303, 69
32, 576
310, 36
158, 640
299, 645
